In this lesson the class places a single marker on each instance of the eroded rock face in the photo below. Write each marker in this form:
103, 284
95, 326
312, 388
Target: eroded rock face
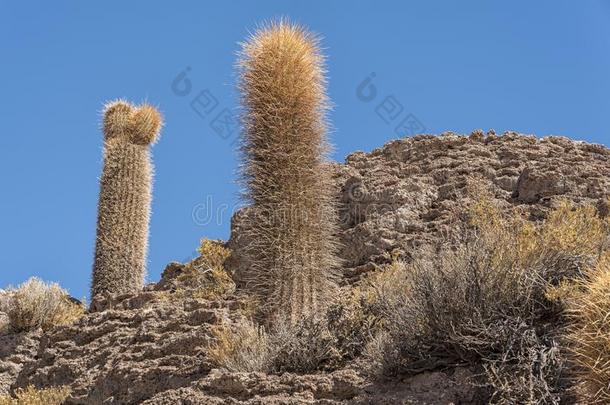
412, 191
126, 354
16, 350
152, 348
340, 387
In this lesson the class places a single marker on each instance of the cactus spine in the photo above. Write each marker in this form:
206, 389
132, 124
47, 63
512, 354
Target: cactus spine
125, 198
284, 172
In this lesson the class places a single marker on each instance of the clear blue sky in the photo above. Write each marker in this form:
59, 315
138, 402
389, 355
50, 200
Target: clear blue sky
539, 67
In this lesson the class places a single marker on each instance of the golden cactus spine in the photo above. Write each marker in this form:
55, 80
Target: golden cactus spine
284, 172
125, 198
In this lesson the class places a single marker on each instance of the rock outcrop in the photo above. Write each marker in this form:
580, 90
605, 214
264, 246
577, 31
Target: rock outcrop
412, 191
152, 347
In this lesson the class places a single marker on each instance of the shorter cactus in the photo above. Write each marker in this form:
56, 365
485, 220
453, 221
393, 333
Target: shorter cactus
125, 198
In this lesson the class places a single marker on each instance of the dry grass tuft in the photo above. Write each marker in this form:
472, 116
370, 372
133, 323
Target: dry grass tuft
589, 335
35, 304
33, 396
245, 347
301, 347
205, 277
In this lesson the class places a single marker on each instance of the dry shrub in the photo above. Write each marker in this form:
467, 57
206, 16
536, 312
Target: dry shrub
589, 335
213, 253
570, 232
533, 375
303, 347
36, 304
484, 300
353, 323
205, 277
458, 307
314, 343
246, 346
33, 396
577, 230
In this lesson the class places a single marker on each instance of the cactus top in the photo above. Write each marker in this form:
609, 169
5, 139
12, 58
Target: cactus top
282, 69
137, 125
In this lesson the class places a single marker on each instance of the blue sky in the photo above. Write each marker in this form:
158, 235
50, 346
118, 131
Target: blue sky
536, 67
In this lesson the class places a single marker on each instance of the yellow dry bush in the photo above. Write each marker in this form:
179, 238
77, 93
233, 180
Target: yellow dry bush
387, 286
484, 213
33, 396
589, 335
36, 304
576, 230
513, 237
494, 297
214, 253
205, 277
352, 319
245, 347
210, 284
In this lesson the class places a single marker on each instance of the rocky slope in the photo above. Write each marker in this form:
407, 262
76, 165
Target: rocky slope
151, 348
413, 190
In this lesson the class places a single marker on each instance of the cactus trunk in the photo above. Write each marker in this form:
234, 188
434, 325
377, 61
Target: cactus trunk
125, 199
285, 173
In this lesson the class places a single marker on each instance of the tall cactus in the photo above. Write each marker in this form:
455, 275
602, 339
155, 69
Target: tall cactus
125, 198
284, 172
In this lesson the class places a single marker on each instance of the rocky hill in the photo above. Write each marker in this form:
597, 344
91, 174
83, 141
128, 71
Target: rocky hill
152, 347
410, 191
